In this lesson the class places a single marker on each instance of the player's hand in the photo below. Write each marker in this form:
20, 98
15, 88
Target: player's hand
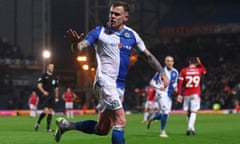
179, 98
56, 99
73, 37
45, 93
198, 60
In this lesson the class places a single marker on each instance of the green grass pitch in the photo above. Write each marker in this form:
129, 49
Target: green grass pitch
210, 128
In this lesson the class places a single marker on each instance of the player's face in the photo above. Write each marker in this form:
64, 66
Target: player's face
68, 89
50, 68
169, 62
117, 17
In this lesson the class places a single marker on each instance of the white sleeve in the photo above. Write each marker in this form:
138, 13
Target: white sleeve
140, 46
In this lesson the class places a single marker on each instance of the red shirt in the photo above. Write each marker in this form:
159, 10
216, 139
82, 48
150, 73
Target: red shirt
150, 93
33, 99
68, 96
190, 79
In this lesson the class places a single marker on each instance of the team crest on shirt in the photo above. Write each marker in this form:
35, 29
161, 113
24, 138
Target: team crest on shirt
127, 35
115, 104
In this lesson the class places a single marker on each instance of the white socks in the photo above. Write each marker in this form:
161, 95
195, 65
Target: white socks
146, 114
191, 121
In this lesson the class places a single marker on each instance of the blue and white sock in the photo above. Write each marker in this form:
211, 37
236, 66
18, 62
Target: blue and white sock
118, 135
164, 119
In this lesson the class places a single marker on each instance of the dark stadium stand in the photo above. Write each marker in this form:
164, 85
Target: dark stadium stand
13, 79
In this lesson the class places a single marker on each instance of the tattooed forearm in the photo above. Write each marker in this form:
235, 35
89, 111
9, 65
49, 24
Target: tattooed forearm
154, 62
79, 46
83, 44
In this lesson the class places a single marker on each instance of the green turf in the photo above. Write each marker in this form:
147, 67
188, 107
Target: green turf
211, 129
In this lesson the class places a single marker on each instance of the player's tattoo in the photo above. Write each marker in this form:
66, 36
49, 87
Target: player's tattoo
83, 44
154, 63
79, 46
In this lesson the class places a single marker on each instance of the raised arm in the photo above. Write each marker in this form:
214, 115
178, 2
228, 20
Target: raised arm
155, 64
76, 40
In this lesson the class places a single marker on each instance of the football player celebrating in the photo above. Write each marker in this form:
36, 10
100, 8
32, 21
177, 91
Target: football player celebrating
113, 43
189, 84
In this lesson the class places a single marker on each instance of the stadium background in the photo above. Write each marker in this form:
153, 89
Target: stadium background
208, 28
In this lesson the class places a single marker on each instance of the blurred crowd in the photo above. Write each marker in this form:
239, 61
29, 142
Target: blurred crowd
7, 50
11, 54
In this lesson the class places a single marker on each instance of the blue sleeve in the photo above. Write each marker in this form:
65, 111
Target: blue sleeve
174, 78
93, 35
155, 80
156, 76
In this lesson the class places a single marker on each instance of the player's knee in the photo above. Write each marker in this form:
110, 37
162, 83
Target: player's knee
121, 121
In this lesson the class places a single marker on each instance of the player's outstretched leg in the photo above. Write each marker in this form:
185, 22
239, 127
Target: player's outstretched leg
86, 126
60, 128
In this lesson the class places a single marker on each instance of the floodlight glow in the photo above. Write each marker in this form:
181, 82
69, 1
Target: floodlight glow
82, 58
85, 67
46, 54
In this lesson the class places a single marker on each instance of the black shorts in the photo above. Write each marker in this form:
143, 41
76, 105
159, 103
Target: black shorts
48, 101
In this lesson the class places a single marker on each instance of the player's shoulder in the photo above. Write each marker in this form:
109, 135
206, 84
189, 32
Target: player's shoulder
42, 76
129, 28
185, 69
97, 29
175, 70
130, 31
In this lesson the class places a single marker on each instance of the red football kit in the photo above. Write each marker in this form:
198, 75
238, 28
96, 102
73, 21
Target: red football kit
33, 99
190, 79
150, 93
68, 96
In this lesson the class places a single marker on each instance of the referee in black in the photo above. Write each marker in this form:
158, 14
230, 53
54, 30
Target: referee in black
48, 86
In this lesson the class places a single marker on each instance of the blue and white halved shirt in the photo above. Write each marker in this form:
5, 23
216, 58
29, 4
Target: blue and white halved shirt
113, 50
172, 76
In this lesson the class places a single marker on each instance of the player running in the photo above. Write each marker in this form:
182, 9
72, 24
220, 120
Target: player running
189, 84
164, 94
